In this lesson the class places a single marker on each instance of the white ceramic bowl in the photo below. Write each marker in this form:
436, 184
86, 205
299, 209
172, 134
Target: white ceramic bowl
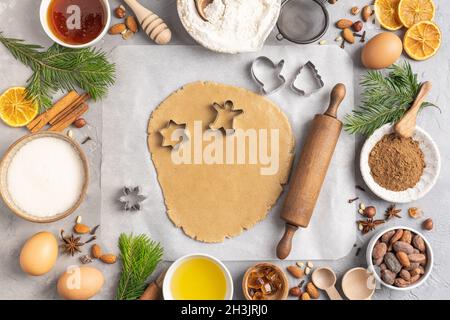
371, 267
429, 176
44, 22
169, 275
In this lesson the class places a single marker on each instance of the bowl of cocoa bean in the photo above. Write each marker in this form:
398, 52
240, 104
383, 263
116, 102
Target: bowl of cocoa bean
400, 257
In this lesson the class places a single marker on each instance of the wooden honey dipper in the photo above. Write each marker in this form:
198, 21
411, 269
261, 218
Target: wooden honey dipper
308, 177
152, 25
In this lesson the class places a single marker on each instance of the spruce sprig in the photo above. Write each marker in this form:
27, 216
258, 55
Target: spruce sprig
384, 99
60, 68
140, 256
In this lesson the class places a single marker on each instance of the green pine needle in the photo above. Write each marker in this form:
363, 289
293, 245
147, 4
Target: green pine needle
140, 256
61, 68
385, 99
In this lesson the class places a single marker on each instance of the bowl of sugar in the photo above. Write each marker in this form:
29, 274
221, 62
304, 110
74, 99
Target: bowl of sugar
44, 177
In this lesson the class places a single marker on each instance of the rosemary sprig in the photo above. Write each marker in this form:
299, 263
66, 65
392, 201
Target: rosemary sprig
140, 256
384, 99
60, 68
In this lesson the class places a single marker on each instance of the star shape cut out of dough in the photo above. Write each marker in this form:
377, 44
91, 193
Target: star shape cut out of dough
225, 116
168, 131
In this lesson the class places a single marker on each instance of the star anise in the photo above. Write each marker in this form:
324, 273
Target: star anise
392, 212
369, 224
71, 244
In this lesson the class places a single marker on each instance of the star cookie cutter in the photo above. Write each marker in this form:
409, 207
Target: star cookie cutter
228, 107
167, 132
317, 78
278, 67
131, 198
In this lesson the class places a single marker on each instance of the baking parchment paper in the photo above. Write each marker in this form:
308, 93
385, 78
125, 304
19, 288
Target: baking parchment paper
147, 75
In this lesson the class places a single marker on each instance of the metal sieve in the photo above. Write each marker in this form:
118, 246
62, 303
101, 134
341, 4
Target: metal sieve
302, 21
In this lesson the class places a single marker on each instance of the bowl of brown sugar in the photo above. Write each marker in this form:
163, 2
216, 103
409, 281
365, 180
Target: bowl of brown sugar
397, 169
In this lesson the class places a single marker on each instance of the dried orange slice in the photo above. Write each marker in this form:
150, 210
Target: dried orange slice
387, 14
411, 12
15, 109
422, 40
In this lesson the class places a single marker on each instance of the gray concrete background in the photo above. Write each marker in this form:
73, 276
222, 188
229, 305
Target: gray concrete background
20, 19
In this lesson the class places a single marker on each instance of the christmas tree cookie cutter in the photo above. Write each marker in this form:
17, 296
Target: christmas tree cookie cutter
317, 79
263, 62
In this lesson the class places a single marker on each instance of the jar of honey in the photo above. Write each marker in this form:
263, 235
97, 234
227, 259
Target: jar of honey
75, 23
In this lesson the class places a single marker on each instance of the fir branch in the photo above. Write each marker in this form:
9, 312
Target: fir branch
140, 256
61, 68
385, 99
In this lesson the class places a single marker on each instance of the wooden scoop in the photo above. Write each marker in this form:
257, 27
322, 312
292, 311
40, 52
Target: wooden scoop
312, 166
406, 126
325, 279
201, 5
152, 25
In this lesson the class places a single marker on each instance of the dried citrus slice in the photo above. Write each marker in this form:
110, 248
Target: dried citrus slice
411, 12
15, 109
422, 40
387, 15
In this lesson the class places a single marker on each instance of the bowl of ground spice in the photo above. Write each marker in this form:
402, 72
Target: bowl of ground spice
397, 169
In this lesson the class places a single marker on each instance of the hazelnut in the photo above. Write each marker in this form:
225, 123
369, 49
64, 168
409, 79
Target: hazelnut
357, 26
428, 224
332, 1
370, 212
295, 292
79, 123
120, 12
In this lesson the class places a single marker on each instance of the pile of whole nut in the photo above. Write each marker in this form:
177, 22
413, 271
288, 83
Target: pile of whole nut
401, 256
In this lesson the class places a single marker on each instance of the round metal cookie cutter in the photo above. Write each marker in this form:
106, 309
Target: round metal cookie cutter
302, 21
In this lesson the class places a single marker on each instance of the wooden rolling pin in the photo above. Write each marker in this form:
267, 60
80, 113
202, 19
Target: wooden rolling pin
152, 25
311, 169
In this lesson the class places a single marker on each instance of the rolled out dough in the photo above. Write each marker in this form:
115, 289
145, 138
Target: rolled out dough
211, 202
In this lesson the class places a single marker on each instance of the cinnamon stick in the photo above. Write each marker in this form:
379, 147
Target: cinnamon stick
70, 108
42, 120
69, 118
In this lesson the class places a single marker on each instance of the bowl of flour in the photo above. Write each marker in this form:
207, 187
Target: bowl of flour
232, 26
44, 177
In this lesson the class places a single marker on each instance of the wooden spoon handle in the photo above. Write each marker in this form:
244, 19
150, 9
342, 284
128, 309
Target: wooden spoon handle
333, 293
406, 126
152, 25
154, 289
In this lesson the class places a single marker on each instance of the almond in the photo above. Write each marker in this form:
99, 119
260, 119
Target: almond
117, 28
348, 36
305, 296
296, 272
366, 13
403, 259
343, 24
131, 24
108, 258
81, 228
312, 291
96, 251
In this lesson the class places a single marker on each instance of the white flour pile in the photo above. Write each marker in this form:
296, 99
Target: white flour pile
233, 25
45, 177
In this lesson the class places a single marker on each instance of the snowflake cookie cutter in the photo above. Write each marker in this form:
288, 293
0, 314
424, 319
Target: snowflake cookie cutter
317, 78
278, 67
131, 198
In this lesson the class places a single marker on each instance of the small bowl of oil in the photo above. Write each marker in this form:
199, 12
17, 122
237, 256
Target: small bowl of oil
198, 277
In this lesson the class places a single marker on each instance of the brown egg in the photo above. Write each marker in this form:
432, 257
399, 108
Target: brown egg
39, 254
381, 51
80, 283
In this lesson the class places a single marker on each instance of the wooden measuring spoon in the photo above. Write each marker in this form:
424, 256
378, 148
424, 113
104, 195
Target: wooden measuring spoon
152, 25
406, 126
325, 279
201, 5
